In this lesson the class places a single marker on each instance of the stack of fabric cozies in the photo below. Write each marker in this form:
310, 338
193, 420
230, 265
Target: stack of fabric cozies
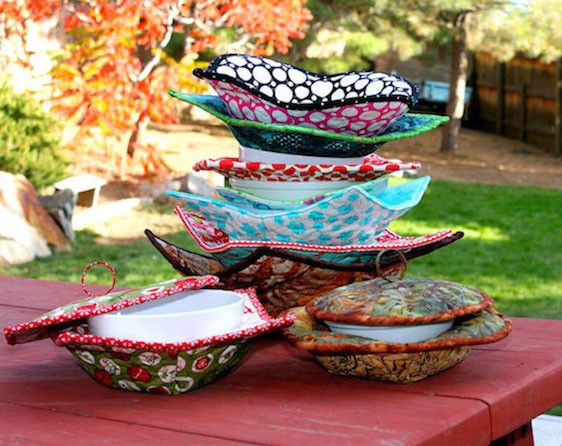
308, 202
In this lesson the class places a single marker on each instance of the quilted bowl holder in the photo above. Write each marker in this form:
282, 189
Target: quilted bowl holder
349, 355
265, 90
300, 140
165, 368
283, 279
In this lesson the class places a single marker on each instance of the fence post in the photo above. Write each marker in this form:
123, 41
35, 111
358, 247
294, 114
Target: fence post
558, 108
523, 107
500, 109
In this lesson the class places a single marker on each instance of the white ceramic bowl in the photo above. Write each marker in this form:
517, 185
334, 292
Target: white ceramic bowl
287, 190
401, 334
185, 316
248, 154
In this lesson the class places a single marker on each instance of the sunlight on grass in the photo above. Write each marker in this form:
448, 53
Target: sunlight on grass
471, 231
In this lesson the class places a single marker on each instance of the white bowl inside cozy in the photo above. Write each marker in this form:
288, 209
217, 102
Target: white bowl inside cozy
401, 334
181, 317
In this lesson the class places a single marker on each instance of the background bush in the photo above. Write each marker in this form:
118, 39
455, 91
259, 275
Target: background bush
29, 139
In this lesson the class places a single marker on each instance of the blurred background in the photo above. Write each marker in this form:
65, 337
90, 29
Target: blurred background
90, 139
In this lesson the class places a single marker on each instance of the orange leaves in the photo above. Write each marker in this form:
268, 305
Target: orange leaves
116, 67
273, 22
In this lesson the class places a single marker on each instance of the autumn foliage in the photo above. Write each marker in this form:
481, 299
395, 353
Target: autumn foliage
116, 67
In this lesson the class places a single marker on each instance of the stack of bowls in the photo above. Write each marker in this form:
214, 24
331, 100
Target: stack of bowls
307, 181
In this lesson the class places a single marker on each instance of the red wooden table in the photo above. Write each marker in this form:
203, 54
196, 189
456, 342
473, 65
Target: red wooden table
278, 395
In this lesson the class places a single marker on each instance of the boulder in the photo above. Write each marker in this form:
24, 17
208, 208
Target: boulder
26, 228
19, 241
60, 206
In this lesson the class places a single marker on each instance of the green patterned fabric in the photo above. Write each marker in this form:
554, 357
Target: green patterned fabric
166, 373
292, 139
401, 301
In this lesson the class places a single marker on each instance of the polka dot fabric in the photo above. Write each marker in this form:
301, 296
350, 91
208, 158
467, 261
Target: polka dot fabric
373, 167
357, 119
264, 90
293, 88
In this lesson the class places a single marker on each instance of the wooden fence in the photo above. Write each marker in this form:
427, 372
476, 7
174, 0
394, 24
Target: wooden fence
520, 99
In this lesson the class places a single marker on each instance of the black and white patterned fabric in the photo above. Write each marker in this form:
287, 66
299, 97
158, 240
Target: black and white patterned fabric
293, 88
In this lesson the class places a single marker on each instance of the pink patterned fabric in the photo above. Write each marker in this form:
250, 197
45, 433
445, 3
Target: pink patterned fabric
367, 119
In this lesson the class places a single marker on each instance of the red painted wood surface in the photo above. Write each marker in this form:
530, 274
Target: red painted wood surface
278, 395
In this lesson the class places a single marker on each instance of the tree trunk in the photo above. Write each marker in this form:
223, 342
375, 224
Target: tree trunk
457, 83
141, 123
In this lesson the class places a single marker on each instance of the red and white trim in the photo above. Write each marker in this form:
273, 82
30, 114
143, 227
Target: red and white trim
373, 167
211, 239
256, 322
92, 308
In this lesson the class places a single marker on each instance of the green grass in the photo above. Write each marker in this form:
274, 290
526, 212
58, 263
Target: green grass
512, 248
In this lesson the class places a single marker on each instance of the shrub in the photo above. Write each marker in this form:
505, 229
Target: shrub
29, 139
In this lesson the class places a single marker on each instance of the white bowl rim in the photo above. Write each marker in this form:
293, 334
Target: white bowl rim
117, 314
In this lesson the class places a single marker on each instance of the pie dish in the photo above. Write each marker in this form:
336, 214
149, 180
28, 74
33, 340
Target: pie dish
305, 141
264, 90
170, 368
282, 278
351, 216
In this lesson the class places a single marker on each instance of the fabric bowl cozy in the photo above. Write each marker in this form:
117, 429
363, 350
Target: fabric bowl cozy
283, 279
401, 302
298, 140
154, 367
351, 216
355, 356
213, 240
264, 90
251, 201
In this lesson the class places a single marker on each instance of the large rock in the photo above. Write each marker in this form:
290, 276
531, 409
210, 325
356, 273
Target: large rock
26, 228
19, 241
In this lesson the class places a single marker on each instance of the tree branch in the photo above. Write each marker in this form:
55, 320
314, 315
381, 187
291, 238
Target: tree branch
173, 14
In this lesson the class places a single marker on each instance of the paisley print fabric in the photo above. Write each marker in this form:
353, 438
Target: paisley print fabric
400, 368
310, 334
280, 282
406, 301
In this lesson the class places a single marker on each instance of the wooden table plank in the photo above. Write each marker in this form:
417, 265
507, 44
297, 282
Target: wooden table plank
24, 426
42, 294
531, 335
260, 402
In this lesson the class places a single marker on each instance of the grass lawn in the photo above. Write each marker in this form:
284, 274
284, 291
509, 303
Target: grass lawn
512, 248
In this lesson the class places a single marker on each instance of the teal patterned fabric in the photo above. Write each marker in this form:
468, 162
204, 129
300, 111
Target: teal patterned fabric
348, 217
306, 141
247, 200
